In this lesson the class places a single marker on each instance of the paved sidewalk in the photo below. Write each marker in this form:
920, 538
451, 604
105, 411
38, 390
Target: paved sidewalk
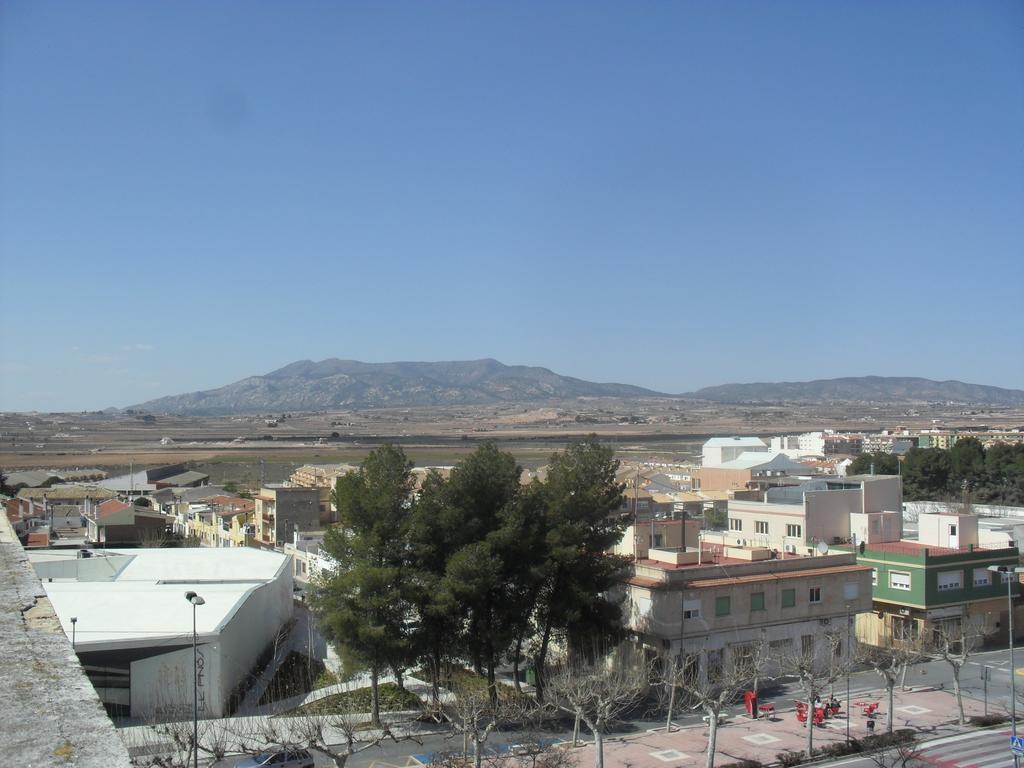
931, 712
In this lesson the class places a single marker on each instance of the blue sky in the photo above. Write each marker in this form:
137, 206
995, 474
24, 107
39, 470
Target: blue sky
670, 194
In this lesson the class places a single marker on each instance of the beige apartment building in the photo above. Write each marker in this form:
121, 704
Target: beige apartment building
795, 519
712, 607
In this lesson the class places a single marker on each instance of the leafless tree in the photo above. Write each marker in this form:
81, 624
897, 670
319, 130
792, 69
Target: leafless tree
890, 663
475, 714
337, 736
598, 693
954, 642
816, 667
904, 755
715, 683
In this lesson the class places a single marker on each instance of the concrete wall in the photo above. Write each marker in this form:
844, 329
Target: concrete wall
876, 527
713, 479
96, 568
883, 494
933, 529
251, 629
669, 531
161, 686
828, 514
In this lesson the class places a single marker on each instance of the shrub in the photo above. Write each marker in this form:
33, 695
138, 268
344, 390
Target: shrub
839, 749
325, 679
392, 699
743, 764
983, 720
883, 740
789, 759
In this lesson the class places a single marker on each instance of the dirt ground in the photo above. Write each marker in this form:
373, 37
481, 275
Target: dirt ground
271, 445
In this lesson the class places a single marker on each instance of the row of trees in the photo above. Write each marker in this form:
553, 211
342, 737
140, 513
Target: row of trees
992, 475
474, 567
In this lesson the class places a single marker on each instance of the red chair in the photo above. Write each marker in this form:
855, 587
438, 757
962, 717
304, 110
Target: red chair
819, 715
871, 708
834, 709
801, 714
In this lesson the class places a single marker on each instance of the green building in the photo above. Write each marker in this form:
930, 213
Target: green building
918, 587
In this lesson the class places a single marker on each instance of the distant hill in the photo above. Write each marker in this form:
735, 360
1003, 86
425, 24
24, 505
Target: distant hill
878, 389
338, 384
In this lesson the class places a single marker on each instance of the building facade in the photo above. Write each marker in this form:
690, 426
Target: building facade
282, 510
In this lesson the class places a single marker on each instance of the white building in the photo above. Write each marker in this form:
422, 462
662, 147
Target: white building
719, 450
798, 446
797, 518
133, 628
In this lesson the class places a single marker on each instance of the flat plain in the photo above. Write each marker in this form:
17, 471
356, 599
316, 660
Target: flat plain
246, 448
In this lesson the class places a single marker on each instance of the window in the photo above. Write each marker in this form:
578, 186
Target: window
807, 645
735, 524
874, 577
950, 580
722, 606
815, 595
899, 580
851, 590
691, 609
761, 526
788, 598
757, 601
981, 577
794, 531
656, 540
904, 628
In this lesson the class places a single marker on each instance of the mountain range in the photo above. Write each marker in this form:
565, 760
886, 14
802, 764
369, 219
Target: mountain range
335, 384
339, 384
884, 389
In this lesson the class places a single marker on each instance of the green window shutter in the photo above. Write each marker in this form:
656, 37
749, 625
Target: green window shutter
757, 601
722, 607
788, 598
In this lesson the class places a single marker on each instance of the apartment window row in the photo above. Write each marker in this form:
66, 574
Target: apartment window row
723, 604
761, 526
735, 524
793, 530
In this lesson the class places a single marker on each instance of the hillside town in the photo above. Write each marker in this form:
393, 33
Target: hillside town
730, 569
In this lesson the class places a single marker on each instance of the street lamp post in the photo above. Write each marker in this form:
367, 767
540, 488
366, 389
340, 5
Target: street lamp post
849, 661
74, 621
196, 600
1007, 573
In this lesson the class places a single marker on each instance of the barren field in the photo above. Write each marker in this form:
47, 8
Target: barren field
242, 448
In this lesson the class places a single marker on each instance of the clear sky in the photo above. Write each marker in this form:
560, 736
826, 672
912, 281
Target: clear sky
669, 194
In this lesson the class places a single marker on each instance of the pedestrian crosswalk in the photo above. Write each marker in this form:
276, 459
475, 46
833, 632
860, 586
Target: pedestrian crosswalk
982, 749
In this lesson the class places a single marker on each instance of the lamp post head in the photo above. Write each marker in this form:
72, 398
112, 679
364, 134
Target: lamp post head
193, 598
74, 619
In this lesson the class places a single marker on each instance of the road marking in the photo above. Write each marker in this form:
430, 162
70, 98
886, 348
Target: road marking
760, 739
913, 709
669, 755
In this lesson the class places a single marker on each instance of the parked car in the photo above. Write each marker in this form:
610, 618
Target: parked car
279, 758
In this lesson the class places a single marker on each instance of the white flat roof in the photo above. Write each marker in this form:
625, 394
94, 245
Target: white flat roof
736, 441
145, 603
